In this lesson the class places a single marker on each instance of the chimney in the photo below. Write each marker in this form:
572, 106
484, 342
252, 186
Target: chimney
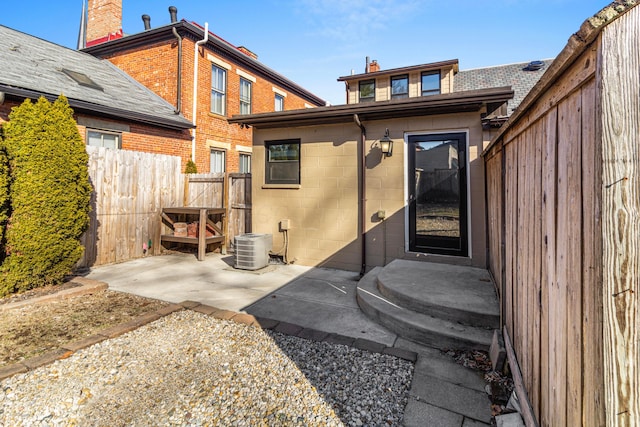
147, 22
248, 52
104, 21
374, 66
173, 12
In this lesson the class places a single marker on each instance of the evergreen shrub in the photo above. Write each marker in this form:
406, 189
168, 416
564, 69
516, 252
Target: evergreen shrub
190, 167
50, 195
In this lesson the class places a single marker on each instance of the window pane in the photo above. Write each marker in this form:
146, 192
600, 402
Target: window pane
245, 96
399, 87
218, 90
217, 162
367, 91
430, 83
103, 139
279, 102
283, 162
245, 163
284, 152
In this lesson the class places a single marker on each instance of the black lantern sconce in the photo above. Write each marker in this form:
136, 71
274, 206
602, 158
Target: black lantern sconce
386, 144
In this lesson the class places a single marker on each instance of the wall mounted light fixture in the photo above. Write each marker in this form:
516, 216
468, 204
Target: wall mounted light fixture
386, 144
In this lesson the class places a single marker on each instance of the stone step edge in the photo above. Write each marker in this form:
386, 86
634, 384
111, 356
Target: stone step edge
370, 280
449, 312
66, 350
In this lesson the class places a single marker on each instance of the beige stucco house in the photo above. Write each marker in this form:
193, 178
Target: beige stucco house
330, 196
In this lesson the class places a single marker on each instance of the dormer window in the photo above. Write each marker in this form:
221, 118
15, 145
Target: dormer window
430, 83
367, 90
400, 87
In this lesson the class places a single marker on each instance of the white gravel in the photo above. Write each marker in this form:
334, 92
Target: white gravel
192, 369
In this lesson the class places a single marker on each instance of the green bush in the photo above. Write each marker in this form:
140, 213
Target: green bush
190, 167
50, 195
4, 193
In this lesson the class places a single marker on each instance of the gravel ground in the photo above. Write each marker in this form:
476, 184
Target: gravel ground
191, 369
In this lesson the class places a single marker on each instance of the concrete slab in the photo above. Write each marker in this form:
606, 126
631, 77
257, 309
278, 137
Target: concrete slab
470, 403
179, 277
421, 414
313, 312
427, 287
468, 422
433, 363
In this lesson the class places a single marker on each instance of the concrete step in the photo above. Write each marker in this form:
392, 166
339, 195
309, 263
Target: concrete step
415, 326
457, 293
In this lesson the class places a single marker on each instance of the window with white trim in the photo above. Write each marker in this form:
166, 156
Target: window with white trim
98, 138
245, 163
218, 90
245, 96
217, 161
279, 102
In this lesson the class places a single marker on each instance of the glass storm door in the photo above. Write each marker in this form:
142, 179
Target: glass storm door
438, 194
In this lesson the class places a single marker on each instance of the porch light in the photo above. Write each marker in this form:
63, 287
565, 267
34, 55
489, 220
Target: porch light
386, 144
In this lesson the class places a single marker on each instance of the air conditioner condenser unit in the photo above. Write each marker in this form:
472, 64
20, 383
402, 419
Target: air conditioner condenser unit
252, 250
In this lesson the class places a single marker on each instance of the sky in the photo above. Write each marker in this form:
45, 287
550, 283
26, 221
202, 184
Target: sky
313, 42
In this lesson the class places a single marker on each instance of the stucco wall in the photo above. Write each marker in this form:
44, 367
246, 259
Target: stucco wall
324, 211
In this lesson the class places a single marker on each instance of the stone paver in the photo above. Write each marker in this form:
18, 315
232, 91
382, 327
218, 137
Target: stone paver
470, 403
422, 414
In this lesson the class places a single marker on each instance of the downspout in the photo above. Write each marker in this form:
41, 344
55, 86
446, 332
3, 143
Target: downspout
362, 191
195, 88
179, 89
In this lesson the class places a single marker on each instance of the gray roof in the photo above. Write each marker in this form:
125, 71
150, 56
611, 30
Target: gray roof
517, 76
30, 67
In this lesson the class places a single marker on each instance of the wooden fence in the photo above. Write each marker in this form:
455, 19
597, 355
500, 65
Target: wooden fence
130, 190
562, 191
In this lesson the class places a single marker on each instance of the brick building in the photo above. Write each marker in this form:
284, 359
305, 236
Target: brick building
229, 80
111, 109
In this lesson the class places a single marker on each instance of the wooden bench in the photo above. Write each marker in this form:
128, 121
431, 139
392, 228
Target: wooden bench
206, 217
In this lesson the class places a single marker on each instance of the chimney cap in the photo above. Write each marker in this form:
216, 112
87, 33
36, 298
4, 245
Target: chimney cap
147, 21
173, 12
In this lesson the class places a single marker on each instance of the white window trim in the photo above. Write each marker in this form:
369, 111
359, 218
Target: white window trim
279, 92
245, 75
218, 145
220, 63
244, 149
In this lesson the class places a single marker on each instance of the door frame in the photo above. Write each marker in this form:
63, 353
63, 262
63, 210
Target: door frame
406, 188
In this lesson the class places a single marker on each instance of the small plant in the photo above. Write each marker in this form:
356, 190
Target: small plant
191, 167
49, 195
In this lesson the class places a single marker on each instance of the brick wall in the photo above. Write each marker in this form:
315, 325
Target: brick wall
103, 17
155, 66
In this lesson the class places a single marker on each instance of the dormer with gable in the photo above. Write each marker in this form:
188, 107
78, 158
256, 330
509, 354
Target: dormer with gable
397, 83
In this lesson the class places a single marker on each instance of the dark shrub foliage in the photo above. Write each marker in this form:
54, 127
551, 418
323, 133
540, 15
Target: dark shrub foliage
4, 193
50, 193
190, 167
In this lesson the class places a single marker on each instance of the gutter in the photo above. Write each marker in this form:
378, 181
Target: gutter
194, 110
179, 88
92, 108
362, 190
